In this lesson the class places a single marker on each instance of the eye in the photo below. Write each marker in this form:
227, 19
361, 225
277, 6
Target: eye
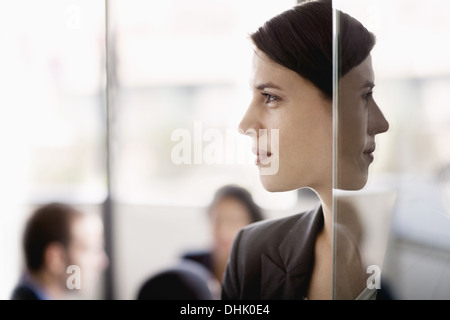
269, 98
368, 95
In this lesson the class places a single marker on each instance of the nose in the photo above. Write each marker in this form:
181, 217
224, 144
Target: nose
250, 124
377, 121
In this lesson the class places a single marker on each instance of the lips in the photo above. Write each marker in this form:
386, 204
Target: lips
369, 152
262, 156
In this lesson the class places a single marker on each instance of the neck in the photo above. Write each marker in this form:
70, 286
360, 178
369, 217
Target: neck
326, 199
321, 283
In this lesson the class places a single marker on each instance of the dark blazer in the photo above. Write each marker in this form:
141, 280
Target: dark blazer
273, 259
23, 292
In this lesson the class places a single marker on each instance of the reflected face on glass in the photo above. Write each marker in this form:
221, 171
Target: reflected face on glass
360, 120
283, 100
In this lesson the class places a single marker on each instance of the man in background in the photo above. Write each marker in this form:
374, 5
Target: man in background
63, 249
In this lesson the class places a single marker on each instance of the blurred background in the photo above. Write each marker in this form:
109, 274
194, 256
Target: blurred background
91, 93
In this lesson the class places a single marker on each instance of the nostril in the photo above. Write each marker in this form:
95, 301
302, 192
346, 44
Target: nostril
248, 132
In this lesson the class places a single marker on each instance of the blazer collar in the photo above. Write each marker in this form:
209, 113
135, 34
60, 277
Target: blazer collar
297, 248
287, 275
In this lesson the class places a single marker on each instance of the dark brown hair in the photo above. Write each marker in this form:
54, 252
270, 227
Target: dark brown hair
300, 39
48, 224
241, 195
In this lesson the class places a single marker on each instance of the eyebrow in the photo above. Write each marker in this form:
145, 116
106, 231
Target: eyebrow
266, 85
368, 84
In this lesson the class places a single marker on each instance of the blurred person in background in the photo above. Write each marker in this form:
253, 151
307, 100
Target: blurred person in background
198, 275
232, 209
63, 250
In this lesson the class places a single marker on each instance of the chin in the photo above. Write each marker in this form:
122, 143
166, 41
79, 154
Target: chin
352, 178
274, 184
268, 186
353, 185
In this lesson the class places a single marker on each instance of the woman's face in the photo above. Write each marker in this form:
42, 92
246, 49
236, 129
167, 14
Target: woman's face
360, 120
290, 123
228, 216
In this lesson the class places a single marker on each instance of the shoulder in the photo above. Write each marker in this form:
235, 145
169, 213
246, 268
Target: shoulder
273, 239
23, 292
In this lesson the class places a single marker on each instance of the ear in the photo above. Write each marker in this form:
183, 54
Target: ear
55, 258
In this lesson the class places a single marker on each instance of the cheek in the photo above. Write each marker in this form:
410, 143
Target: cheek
295, 145
308, 137
88, 257
304, 151
352, 167
352, 130
79, 258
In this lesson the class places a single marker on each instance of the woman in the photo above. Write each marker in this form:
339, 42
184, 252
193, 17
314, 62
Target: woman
291, 79
231, 209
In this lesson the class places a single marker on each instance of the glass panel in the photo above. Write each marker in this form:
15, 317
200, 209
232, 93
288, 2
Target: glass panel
394, 231
52, 104
181, 75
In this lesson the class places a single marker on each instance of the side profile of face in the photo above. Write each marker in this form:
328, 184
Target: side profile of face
360, 119
285, 101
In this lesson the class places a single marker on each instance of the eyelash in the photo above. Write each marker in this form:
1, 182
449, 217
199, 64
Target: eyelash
269, 98
367, 95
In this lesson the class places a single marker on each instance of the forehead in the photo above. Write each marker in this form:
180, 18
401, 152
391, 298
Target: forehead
265, 70
229, 207
228, 202
361, 76
261, 62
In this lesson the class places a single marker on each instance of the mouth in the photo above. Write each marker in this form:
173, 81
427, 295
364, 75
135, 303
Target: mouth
262, 156
368, 153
